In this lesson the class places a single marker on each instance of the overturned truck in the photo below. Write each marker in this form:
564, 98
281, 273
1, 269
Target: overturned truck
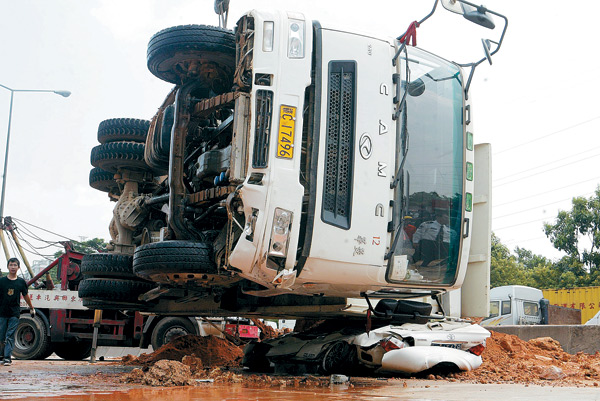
294, 170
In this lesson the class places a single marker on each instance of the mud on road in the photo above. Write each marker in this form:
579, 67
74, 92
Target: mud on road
70, 381
209, 368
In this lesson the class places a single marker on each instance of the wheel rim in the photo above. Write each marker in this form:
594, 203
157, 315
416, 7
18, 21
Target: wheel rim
25, 337
173, 333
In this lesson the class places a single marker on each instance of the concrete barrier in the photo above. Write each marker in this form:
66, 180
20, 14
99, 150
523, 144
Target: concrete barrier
572, 338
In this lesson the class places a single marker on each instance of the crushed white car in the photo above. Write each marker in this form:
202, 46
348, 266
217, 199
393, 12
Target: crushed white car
407, 349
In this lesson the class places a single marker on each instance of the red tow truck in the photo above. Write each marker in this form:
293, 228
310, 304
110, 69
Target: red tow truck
63, 325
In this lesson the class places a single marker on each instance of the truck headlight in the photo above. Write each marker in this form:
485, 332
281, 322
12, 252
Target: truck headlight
282, 221
295, 38
268, 36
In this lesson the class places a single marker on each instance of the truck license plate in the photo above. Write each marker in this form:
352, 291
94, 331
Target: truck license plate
285, 138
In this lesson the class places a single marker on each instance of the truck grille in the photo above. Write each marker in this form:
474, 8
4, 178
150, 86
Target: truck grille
339, 147
262, 132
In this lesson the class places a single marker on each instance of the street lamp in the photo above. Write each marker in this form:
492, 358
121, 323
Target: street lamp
12, 93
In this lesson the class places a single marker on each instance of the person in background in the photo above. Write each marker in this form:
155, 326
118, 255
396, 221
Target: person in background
11, 289
432, 238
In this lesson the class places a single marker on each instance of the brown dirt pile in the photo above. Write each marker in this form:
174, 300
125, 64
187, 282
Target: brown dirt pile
266, 332
206, 351
172, 373
508, 359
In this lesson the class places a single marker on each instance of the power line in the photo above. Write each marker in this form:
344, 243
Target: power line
43, 229
546, 192
550, 134
520, 224
535, 207
522, 240
547, 164
544, 171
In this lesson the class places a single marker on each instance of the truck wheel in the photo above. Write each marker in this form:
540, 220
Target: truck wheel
104, 304
123, 129
170, 328
113, 290
31, 339
102, 265
73, 350
159, 143
167, 260
182, 53
104, 181
115, 155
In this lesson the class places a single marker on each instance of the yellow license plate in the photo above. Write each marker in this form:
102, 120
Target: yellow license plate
285, 138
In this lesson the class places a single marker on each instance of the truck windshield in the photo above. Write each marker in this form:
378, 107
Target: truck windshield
429, 197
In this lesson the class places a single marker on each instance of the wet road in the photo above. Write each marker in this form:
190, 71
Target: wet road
70, 381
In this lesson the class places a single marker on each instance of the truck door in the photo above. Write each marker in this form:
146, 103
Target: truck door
531, 313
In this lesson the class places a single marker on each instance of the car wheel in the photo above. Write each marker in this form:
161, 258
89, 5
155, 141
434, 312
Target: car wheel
123, 129
115, 155
189, 52
255, 357
170, 328
338, 358
31, 338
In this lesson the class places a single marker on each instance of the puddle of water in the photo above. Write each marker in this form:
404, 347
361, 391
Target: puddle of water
220, 392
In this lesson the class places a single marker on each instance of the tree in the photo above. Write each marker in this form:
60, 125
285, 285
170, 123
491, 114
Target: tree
89, 246
529, 260
577, 233
505, 270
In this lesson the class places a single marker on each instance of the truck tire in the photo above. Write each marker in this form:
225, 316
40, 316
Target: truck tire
31, 339
115, 155
186, 52
113, 290
104, 304
123, 129
159, 142
73, 350
104, 181
107, 265
173, 257
170, 328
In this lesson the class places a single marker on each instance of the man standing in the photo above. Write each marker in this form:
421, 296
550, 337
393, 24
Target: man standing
11, 289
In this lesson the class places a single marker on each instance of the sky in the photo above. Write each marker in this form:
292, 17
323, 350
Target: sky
536, 104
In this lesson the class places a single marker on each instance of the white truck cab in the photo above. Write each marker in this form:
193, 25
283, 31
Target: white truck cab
516, 305
348, 174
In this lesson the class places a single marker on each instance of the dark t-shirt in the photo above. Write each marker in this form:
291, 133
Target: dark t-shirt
10, 296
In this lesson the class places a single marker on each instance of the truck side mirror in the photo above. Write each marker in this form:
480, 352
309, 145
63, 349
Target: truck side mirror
222, 10
470, 11
486, 48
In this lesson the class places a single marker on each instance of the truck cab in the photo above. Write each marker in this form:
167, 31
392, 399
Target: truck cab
516, 305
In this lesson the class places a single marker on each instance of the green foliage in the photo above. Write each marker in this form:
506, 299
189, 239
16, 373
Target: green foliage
527, 268
89, 246
577, 233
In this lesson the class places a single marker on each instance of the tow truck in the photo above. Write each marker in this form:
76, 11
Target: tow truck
297, 170
65, 326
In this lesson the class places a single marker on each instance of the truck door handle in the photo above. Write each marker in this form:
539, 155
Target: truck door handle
467, 227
